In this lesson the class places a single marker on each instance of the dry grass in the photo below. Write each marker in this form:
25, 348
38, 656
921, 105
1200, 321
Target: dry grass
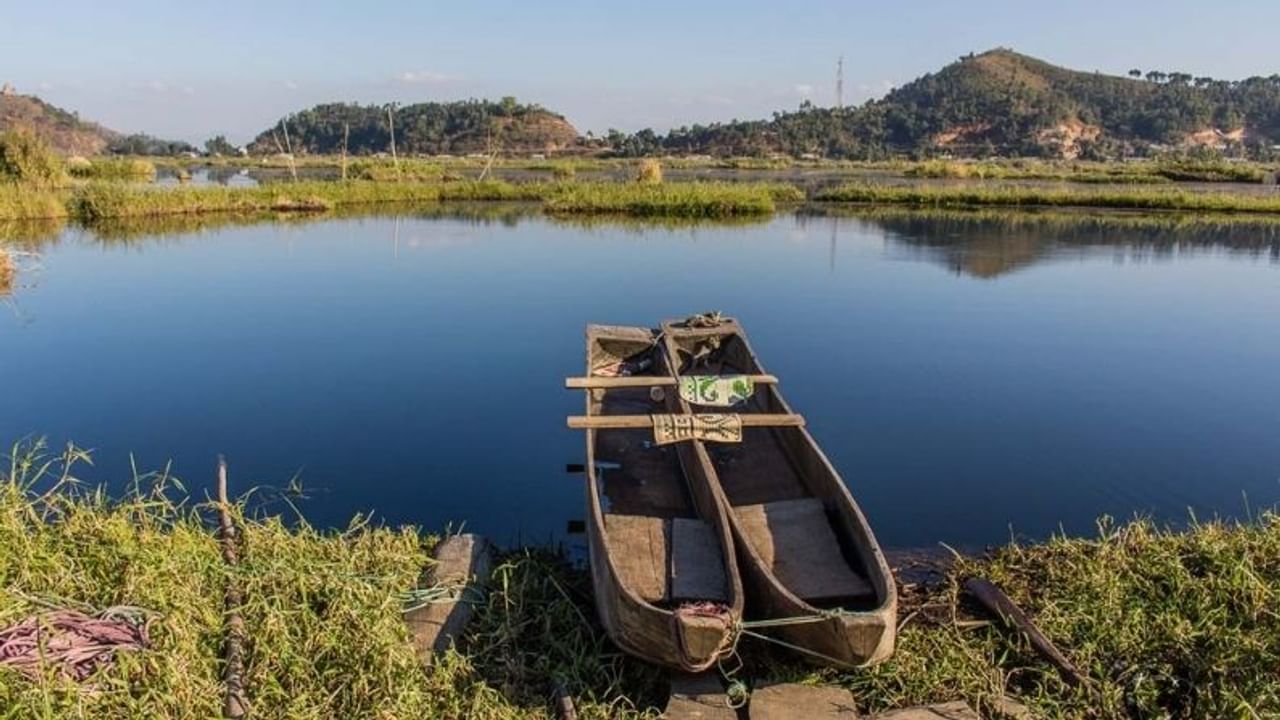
649, 172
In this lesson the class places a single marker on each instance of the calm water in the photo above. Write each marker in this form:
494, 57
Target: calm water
970, 377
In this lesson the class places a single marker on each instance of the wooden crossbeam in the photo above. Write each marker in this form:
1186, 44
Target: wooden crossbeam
622, 422
587, 383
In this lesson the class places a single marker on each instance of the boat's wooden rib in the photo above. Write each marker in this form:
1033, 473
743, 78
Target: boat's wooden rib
663, 566
804, 547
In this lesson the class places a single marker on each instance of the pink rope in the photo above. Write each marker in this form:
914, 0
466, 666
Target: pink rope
79, 644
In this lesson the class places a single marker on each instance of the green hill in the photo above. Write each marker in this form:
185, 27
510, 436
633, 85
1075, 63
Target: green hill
432, 128
1003, 103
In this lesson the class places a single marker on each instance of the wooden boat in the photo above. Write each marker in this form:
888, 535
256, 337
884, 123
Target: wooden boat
804, 548
666, 582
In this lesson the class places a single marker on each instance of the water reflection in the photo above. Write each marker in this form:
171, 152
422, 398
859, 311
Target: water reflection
991, 244
407, 361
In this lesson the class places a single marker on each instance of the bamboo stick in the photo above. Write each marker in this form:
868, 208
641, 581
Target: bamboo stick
579, 383
235, 705
621, 422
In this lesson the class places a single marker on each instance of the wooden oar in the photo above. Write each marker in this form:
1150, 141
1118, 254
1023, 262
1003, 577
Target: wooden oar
587, 383
621, 422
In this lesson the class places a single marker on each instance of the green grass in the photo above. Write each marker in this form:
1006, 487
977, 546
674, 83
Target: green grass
325, 634
23, 202
408, 170
99, 201
1022, 196
1164, 624
711, 200
119, 169
27, 159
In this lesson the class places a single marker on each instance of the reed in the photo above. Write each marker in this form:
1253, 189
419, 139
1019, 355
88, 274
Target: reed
120, 169
27, 159
98, 201
1016, 196
711, 200
24, 202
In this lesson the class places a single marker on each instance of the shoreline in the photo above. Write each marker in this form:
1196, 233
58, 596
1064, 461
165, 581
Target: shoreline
1190, 612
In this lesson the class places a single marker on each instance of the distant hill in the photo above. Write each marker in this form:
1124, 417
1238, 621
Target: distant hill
1003, 103
453, 128
63, 130
69, 135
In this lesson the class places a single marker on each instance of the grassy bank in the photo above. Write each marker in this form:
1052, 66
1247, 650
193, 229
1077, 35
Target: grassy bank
1021, 196
671, 199
1164, 624
22, 202
119, 169
112, 200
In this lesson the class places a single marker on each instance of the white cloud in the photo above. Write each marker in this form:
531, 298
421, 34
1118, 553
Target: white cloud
804, 90
424, 77
290, 85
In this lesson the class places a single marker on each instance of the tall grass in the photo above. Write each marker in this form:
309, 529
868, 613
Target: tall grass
1137, 199
1163, 623
408, 170
123, 169
711, 200
325, 634
27, 159
23, 202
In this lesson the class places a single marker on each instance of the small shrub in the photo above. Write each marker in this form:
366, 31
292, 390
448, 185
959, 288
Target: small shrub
650, 172
27, 159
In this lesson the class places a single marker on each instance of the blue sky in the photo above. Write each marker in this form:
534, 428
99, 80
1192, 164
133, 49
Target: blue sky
193, 69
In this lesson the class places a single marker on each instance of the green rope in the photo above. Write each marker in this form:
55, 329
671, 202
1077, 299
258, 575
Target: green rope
419, 598
736, 692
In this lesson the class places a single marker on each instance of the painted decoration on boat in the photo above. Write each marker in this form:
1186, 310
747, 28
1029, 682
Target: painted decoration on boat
716, 390
669, 429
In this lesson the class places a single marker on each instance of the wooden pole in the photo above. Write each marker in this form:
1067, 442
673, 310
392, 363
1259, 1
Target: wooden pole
235, 705
994, 599
587, 383
391, 124
627, 422
293, 169
346, 132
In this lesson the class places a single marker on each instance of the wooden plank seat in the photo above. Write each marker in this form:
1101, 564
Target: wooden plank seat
795, 540
667, 559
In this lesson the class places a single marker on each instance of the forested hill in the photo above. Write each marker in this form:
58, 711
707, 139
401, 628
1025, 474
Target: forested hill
431, 128
1002, 102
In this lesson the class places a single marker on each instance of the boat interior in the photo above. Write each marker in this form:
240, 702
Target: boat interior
787, 501
661, 548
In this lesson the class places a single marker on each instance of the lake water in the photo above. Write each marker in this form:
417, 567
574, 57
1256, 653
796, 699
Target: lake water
971, 376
